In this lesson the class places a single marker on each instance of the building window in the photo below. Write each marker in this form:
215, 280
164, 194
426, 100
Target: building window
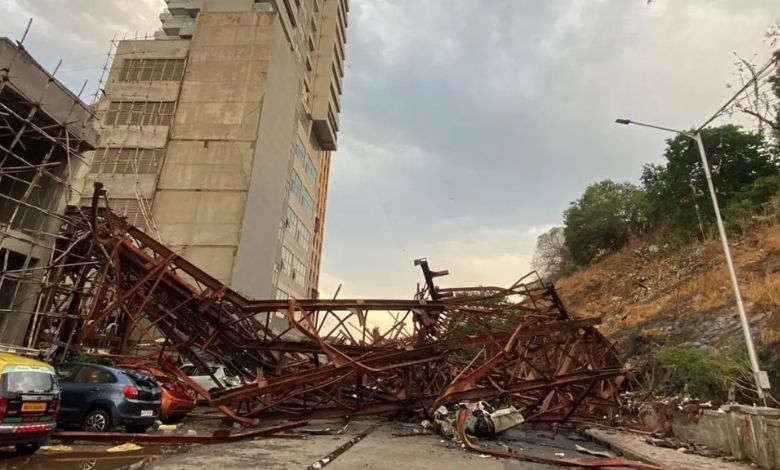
304, 237
296, 186
299, 272
131, 209
299, 150
281, 295
151, 70
311, 171
292, 222
126, 160
290, 12
301, 194
287, 261
308, 203
139, 113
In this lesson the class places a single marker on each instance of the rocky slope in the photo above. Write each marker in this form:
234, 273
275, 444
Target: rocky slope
653, 293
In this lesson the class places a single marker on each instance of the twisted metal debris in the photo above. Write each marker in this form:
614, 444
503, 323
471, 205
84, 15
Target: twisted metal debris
116, 292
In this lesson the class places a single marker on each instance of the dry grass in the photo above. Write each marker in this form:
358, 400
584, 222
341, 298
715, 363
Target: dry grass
762, 291
710, 290
682, 280
770, 335
655, 333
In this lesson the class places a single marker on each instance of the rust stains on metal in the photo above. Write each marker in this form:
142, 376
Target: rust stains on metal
218, 437
120, 293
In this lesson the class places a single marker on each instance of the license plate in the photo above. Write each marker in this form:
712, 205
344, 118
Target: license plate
147, 413
33, 407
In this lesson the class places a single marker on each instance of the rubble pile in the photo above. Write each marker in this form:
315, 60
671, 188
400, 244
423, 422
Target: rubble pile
118, 293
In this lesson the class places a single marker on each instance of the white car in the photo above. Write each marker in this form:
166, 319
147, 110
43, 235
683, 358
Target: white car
218, 370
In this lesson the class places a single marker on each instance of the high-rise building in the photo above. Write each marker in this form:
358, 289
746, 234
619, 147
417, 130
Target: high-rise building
217, 134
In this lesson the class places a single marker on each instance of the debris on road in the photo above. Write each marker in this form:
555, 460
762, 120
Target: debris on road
342, 448
496, 357
127, 447
57, 448
325, 431
597, 453
585, 462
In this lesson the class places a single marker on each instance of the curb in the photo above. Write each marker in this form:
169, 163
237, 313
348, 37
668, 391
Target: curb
625, 452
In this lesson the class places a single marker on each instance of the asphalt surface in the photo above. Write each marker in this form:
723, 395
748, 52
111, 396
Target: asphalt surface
380, 449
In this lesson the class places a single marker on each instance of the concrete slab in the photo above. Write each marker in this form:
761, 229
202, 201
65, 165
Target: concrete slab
380, 450
219, 166
268, 454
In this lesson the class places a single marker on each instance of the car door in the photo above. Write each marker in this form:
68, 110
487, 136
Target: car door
69, 400
93, 385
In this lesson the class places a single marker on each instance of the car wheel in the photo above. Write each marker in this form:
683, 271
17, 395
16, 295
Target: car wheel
97, 421
136, 429
29, 448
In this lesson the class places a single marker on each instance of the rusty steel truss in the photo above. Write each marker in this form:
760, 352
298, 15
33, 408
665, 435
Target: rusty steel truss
115, 292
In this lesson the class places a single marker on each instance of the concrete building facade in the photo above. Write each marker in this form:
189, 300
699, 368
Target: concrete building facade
217, 136
44, 129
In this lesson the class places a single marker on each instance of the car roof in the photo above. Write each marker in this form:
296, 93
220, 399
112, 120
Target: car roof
8, 359
99, 366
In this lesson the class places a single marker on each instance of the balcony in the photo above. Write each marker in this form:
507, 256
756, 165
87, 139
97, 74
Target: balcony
174, 25
184, 7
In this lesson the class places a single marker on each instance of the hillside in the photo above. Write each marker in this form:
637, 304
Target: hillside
653, 293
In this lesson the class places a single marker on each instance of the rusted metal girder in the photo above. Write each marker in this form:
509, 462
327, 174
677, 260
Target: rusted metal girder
218, 437
120, 293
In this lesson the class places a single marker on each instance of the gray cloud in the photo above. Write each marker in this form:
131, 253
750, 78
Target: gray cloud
467, 127
498, 116
78, 32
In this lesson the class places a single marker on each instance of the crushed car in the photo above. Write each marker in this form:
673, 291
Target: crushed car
97, 398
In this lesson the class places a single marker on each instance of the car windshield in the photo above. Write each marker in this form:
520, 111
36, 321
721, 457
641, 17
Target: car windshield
29, 382
140, 379
193, 371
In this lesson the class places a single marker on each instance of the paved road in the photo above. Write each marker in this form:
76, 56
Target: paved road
378, 450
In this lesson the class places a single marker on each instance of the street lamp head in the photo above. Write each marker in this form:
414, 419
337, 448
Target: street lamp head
623, 121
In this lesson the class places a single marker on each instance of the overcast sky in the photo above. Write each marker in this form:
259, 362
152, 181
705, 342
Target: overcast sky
469, 126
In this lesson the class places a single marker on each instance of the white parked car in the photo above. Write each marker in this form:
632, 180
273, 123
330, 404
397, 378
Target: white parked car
218, 370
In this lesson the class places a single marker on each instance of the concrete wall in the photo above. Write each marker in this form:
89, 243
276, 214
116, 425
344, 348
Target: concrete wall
259, 247
202, 193
745, 432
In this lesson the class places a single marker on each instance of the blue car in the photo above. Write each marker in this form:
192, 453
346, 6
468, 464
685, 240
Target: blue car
97, 398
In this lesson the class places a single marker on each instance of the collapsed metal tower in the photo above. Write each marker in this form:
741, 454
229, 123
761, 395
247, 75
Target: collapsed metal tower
118, 293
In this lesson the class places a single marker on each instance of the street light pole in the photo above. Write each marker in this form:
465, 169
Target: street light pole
760, 377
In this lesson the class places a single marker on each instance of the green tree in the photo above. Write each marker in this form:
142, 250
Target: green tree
677, 193
552, 258
603, 219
